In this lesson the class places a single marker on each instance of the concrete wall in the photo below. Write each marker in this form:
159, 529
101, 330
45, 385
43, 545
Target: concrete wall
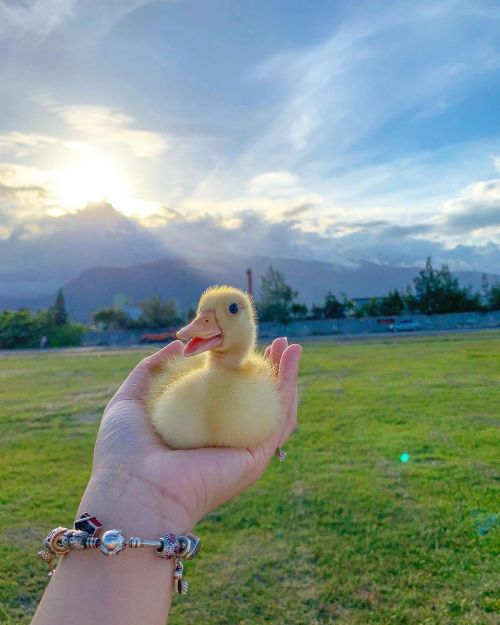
323, 327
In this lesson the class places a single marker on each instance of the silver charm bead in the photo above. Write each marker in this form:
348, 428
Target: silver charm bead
113, 542
92, 542
169, 547
189, 546
75, 539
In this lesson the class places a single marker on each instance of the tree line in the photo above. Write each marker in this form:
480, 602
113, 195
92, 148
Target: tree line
154, 313
433, 291
51, 327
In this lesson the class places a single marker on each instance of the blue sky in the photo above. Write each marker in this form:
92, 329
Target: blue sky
354, 129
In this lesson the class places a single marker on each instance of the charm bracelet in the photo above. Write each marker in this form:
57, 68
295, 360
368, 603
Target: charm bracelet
87, 534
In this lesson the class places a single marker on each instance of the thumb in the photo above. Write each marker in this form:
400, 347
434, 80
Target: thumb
139, 379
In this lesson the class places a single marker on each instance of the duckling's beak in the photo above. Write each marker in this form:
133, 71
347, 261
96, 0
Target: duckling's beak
202, 333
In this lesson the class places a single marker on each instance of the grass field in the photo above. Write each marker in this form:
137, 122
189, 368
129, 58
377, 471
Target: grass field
343, 532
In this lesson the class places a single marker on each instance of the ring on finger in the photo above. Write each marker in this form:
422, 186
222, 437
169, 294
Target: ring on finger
280, 454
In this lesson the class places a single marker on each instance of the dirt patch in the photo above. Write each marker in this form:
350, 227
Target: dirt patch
97, 394
27, 535
86, 417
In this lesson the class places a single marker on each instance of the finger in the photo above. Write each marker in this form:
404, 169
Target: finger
138, 380
290, 423
252, 461
267, 352
156, 360
278, 346
289, 365
287, 384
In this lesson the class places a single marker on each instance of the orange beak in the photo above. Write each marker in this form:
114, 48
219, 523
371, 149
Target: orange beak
202, 334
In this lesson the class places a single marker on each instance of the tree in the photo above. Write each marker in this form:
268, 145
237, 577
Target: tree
317, 312
59, 309
16, 328
332, 307
111, 319
299, 311
494, 297
23, 328
276, 297
157, 313
348, 305
392, 304
437, 291
372, 308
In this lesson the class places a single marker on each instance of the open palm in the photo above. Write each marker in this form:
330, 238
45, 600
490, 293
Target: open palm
197, 480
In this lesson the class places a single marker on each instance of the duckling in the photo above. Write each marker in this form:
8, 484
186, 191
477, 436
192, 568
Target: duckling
219, 392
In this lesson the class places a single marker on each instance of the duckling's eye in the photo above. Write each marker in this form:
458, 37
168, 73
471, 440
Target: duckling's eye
233, 308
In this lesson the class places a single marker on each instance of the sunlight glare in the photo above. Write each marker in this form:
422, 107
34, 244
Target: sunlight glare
94, 178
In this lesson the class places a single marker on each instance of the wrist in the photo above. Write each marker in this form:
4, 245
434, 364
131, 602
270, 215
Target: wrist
123, 499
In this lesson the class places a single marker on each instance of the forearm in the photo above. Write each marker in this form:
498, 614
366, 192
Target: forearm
133, 587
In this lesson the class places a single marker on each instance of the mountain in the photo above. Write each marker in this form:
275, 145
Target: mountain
99, 255
34, 264
185, 279
100, 287
312, 279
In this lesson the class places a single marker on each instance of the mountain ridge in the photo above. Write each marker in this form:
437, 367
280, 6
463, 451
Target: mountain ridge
183, 279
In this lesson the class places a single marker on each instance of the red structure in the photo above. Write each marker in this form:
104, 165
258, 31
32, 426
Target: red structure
249, 282
160, 337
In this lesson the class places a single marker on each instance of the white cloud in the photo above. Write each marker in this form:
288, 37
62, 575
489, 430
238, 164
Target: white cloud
274, 183
34, 16
21, 143
14, 175
475, 211
43, 17
103, 125
250, 232
373, 69
23, 195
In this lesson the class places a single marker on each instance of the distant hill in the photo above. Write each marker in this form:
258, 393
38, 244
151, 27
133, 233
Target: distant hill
184, 280
98, 287
33, 266
99, 255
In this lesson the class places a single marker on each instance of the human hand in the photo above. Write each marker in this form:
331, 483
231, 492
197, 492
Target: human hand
139, 482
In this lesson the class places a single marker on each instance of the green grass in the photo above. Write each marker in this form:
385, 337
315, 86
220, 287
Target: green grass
343, 532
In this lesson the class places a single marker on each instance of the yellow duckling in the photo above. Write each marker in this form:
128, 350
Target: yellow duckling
220, 392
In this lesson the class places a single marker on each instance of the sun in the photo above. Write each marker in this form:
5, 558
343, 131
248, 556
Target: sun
93, 177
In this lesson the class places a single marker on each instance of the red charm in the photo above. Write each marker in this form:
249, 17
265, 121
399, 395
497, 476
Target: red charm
87, 523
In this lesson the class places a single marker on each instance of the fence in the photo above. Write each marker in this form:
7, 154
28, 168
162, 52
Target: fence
323, 327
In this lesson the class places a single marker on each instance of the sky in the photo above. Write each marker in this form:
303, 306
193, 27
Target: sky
333, 129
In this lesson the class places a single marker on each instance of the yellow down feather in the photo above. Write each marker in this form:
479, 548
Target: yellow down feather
227, 396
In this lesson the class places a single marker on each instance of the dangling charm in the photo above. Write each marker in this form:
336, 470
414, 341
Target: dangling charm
181, 585
48, 556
